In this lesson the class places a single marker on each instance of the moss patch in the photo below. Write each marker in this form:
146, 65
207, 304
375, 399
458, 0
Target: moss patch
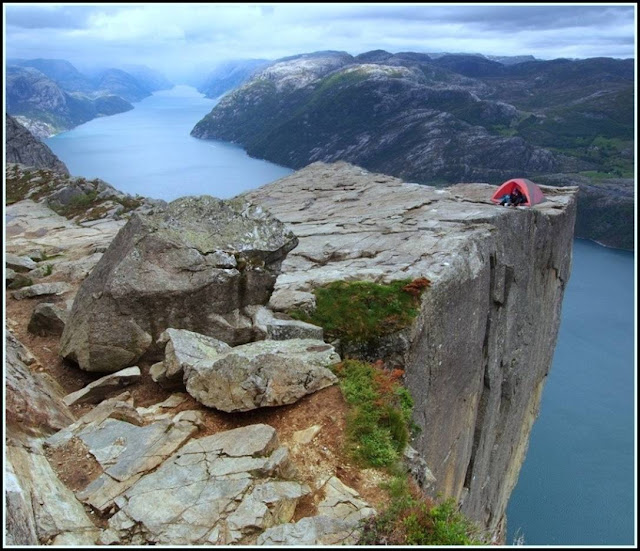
360, 311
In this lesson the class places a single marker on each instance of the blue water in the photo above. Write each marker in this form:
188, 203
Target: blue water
148, 151
577, 485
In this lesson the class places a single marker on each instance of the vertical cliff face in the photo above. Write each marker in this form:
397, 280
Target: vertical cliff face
481, 348
481, 351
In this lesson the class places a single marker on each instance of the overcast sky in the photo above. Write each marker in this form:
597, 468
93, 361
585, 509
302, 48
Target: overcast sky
176, 37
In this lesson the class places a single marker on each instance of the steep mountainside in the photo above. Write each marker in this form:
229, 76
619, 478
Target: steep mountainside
229, 75
24, 148
45, 109
387, 118
435, 121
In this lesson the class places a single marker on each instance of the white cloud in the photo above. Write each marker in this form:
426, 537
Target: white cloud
170, 36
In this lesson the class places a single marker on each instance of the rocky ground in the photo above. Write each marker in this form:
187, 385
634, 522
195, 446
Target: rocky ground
312, 429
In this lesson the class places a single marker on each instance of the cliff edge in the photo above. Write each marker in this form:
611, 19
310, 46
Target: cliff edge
477, 356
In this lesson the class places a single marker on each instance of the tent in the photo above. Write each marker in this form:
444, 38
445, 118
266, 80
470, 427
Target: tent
530, 190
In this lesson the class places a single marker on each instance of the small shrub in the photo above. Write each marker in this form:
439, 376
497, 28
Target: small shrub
411, 519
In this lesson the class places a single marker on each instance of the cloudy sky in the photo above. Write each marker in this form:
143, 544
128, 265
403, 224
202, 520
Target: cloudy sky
176, 37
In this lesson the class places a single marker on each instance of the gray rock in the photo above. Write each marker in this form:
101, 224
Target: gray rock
343, 503
126, 452
33, 402
98, 390
261, 374
419, 469
170, 269
53, 508
479, 351
214, 490
186, 348
42, 289
9, 276
279, 328
19, 263
47, 319
317, 530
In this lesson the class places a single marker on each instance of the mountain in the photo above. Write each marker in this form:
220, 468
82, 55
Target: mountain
63, 73
120, 83
452, 118
24, 148
45, 109
395, 119
229, 75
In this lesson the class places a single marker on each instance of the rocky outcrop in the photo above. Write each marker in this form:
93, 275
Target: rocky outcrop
233, 492
98, 390
196, 265
33, 402
482, 345
24, 148
475, 361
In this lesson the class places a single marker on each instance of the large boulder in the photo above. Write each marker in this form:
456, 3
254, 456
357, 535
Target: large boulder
260, 374
200, 264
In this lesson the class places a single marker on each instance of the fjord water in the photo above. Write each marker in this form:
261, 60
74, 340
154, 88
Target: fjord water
148, 151
577, 484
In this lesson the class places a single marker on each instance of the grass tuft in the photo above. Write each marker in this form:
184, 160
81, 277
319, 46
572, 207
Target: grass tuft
361, 311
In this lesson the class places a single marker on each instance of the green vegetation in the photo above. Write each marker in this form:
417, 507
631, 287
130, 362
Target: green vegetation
379, 419
48, 270
359, 311
378, 428
413, 520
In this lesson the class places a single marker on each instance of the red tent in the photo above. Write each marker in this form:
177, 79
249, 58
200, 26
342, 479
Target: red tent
530, 190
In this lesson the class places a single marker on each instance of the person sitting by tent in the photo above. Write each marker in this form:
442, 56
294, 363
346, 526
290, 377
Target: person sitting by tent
517, 197
513, 199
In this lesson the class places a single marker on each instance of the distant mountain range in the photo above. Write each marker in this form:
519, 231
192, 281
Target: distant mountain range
50, 95
442, 120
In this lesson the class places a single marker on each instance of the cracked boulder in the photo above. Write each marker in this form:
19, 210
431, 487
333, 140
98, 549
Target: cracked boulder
124, 451
249, 376
201, 264
221, 489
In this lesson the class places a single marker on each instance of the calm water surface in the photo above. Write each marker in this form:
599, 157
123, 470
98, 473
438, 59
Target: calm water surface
148, 151
577, 484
